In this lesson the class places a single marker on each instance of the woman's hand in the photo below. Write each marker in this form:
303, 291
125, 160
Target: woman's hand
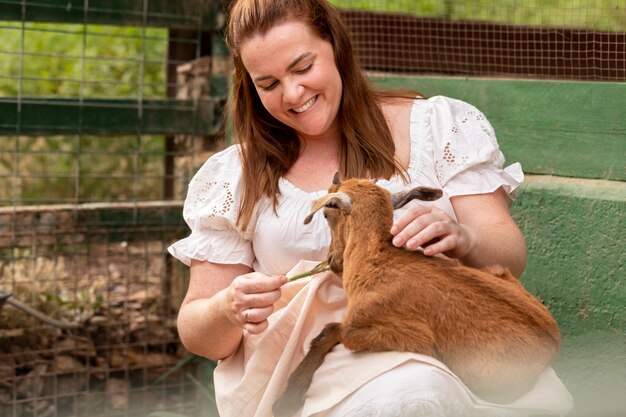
250, 300
221, 301
434, 230
485, 233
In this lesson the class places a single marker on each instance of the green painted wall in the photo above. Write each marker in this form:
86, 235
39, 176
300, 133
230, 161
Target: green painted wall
573, 129
574, 230
577, 255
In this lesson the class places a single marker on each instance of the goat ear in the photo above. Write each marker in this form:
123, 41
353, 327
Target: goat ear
317, 204
340, 200
399, 199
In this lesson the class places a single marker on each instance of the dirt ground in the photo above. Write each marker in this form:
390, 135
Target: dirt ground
123, 359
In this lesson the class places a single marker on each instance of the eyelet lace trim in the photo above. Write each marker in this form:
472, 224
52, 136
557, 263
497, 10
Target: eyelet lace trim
451, 161
218, 208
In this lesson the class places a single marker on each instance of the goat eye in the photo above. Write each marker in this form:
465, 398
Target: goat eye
325, 216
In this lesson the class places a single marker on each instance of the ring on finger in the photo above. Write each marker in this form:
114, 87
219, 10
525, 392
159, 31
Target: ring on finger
245, 315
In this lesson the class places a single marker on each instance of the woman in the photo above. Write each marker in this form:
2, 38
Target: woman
302, 110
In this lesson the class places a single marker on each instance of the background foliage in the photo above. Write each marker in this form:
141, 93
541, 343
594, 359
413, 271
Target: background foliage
593, 14
79, 62
55, 60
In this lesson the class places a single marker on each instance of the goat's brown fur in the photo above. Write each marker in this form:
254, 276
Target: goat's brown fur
481, 323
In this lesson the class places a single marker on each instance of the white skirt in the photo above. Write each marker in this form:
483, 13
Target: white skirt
419, 389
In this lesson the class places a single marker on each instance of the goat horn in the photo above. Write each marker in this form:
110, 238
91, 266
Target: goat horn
399, 199
336, 180
340, 200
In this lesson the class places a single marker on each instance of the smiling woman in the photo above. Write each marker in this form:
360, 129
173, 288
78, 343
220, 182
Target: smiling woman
302, 109
308, 62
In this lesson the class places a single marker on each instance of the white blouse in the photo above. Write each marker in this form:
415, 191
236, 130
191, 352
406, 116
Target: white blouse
453, 147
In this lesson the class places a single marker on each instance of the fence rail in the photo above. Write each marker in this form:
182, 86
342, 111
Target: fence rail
50, 116
31, 226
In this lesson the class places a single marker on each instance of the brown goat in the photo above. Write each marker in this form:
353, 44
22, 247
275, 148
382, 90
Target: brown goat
481, 323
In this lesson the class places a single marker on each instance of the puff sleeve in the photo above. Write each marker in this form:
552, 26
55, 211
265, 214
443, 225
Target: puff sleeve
210, 210
465, 151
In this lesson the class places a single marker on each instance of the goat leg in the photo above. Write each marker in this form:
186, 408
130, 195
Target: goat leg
300, 380
395, 333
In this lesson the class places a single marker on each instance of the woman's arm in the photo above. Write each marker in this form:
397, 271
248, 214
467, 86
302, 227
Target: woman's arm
485, 233
497, 239
220, 302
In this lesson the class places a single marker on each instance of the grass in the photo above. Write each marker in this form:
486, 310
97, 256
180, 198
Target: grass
70, 169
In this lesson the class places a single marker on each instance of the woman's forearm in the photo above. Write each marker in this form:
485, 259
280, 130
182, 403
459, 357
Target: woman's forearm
501, 244
494, 235
206, 330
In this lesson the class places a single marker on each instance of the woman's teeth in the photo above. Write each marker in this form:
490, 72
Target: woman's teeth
306, 105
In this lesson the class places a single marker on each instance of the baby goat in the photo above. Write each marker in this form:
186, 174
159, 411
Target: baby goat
481, 323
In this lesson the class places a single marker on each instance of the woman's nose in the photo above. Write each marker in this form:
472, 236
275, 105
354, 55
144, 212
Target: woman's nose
292, 92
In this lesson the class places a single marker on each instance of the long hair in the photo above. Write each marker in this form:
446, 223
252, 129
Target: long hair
268, 147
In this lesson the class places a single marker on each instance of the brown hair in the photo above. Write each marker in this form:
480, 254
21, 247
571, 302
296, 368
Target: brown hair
270, 148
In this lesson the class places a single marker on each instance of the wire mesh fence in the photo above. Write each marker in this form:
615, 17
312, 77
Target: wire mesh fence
100, 128
569, 40
106, 110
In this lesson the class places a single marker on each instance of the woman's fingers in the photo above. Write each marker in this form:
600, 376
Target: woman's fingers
256, 328
257, 315
257, 283
444, 245
432, 233
252, 299
255, 319
415, 226
258, 300
408, 216
433, 230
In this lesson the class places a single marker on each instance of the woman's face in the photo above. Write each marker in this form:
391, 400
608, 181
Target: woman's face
295, 76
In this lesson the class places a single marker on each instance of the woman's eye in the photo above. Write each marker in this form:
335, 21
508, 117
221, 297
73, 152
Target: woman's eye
305, 69
269, 87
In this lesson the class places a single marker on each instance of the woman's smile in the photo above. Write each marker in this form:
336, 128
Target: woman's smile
306, 106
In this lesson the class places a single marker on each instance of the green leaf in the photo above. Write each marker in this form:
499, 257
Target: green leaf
184, 361
203, 389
